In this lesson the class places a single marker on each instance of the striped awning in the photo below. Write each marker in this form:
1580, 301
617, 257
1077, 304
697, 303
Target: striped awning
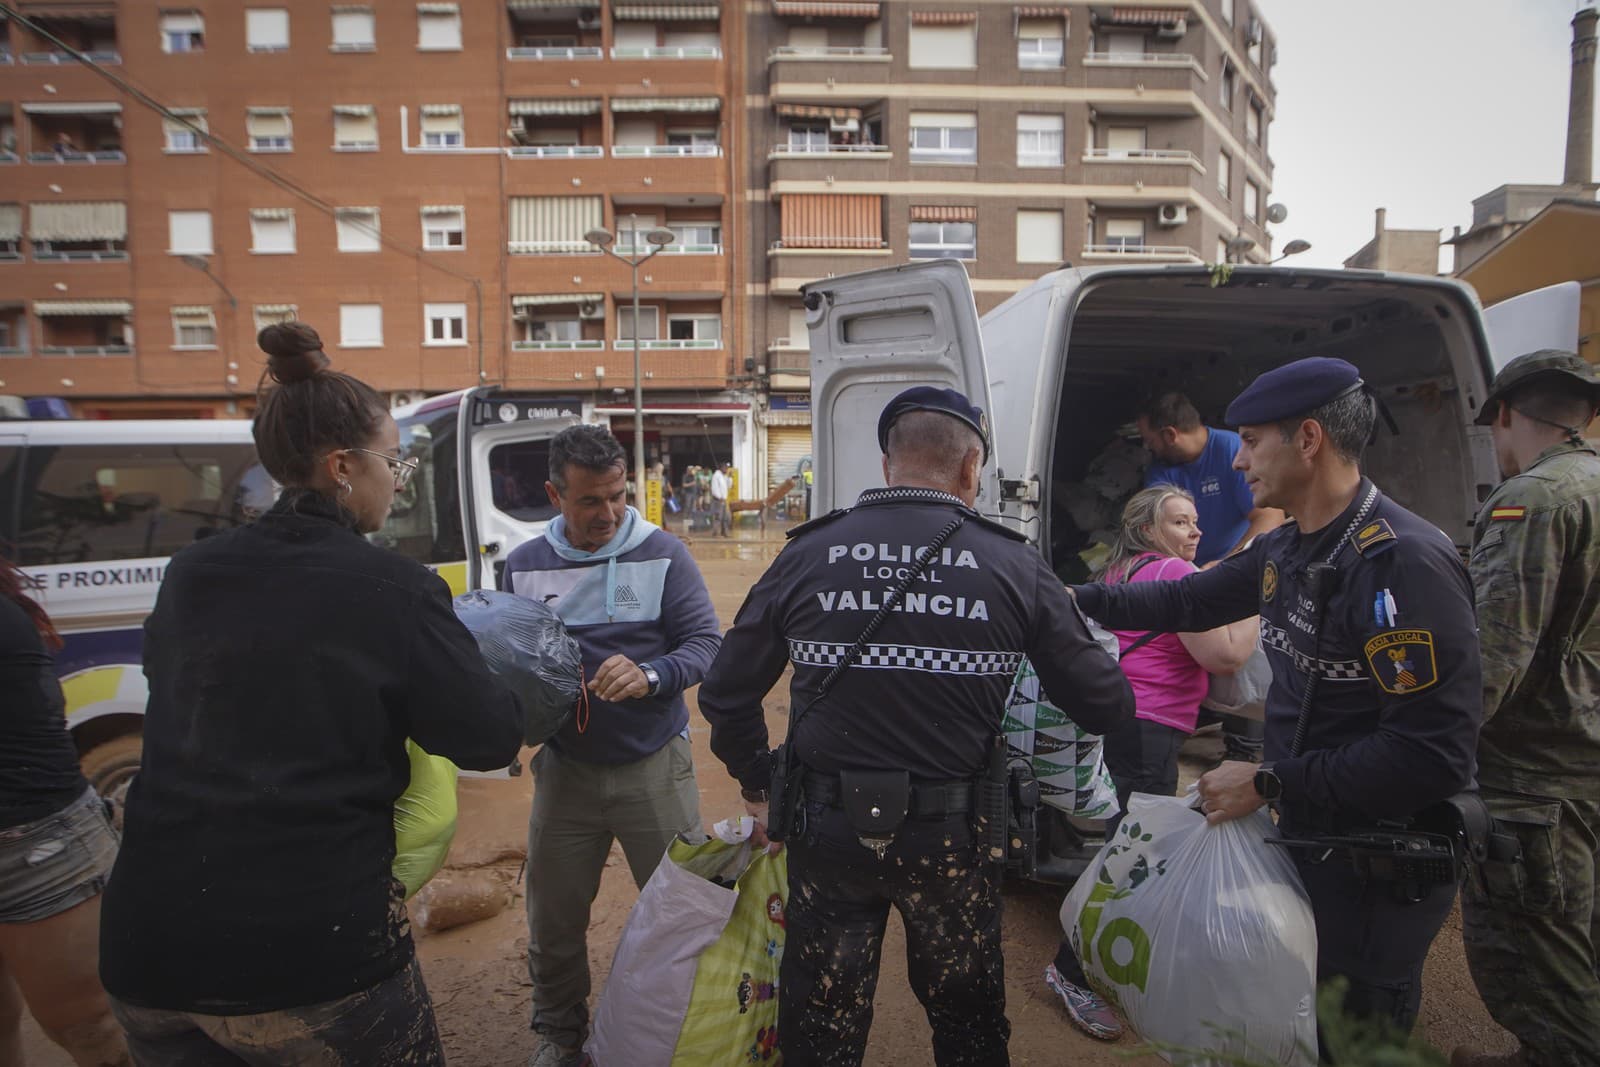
822, 220
355, 210
556, 106
931, 213
817, 111
346, 9
46, 308
1148, 16
523, 300
94, 221
942, 18
193, 309
186, 112
272, 212
438, 9
72, 108
667, 12
544, 5
553, 223
355, 111
666, 103
10, 222
442, 209
441, 109
1037, 12
266, 111
274, 309
823, 9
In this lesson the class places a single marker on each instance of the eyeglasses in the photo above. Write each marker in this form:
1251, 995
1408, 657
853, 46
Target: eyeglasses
402, 469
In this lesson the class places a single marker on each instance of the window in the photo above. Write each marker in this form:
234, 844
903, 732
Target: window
1225, 175
1125, 235
944, 137
274, 314
193, 327
563, 331
696, 236
182, 31
516, 483
1039, 140
1254, 35
360, 325
944, 240
1226, 89
355, 128
706, 329
694, 142
272, 231
808, 137
542, 225
1227, 16
1040, 43
441, 126
647, 323
354, 29
937, 47
1253, 124
357, 229
1039, 237
444, 228
808, 38
269, 129
1252, 201
1125, 45
438, 27
179, 133
446, 324
266, 29
189, 233
1124, 141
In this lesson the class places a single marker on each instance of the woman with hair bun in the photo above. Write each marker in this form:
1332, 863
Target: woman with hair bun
253, 916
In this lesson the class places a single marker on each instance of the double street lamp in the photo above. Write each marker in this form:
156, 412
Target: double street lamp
658, 238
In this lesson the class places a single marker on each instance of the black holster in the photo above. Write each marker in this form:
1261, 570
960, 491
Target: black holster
1006, 816
783, 794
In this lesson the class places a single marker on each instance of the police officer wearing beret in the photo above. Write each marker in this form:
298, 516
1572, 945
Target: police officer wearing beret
922, 699
1366, 615
1532, 931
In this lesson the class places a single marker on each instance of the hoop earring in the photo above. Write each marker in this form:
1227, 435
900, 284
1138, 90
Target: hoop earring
345, 489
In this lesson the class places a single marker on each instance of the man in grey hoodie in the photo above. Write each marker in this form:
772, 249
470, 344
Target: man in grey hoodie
635, 602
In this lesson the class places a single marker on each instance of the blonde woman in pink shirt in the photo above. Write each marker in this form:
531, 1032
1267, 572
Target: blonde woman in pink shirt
1169, 674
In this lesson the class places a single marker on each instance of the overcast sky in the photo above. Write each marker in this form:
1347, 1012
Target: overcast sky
1413, 105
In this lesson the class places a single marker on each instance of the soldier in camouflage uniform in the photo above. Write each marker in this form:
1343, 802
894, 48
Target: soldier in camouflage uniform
1532, 930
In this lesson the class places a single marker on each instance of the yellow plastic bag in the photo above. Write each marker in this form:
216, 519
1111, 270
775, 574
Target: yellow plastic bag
424, 819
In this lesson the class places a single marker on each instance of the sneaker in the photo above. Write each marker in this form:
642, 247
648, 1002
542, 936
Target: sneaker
1084, 1007
550, 1054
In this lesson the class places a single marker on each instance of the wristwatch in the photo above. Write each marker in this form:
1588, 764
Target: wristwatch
1267, 782
651, 678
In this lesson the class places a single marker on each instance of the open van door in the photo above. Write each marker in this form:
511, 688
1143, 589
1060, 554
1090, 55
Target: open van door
502, 463
873, 334
1543, 318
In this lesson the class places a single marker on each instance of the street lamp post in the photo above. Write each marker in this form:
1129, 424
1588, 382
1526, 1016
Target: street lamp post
230, 380
1294, 248
658, 237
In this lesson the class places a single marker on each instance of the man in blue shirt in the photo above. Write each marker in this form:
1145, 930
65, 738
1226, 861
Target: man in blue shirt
1199, 458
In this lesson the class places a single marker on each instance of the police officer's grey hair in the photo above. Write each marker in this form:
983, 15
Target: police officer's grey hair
587, 446
929, 443
1140, 533
1347, 421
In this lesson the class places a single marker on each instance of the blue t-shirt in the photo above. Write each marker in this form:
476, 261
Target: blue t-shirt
1221, 497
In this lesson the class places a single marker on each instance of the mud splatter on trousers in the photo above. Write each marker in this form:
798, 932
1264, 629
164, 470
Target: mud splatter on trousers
839, 899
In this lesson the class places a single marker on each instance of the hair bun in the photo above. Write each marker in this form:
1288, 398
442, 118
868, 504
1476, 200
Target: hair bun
294, 352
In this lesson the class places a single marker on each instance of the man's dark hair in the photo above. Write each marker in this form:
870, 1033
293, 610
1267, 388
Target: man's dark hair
587, 446
1347, 421
1553, 398
1170, 409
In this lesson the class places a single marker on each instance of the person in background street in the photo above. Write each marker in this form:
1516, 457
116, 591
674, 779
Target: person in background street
1168, 672
721, 517
1533, 934
1368, 609
253, 915
690, 496
633, 599
1199, 458
923, 704
56, 850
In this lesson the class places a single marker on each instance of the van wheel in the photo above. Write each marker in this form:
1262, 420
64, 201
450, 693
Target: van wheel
111, 767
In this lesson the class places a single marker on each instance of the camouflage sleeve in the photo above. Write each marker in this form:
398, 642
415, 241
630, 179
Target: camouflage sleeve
1516, 568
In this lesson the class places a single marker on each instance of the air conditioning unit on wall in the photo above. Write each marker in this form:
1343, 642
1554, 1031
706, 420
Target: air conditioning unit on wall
1173, 214
589, 309
1172, 31
589, 22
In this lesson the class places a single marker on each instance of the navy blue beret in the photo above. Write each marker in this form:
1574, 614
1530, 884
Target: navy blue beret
1293, 389
944, 401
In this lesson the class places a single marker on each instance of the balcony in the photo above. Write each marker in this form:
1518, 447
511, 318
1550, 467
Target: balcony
1141, 253
666, 344
672, 151
585, 345
62, 59
1144, 155
704, 51
103, 155
556, 151
12, 350
802, 70
555, 53
830, 151
43, 253
86, 350
1160, 60
838, 52
8, 156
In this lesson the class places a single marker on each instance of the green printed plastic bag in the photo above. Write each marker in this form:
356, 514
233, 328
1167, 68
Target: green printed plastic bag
424, 819
695, 978
1069, 763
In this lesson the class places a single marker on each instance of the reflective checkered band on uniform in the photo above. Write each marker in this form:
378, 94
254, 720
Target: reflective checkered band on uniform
1345, 670
908, 658
924, 496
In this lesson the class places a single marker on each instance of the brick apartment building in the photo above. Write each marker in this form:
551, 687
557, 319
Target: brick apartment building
416, 180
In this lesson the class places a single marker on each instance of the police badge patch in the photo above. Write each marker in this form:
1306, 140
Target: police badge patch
1269, 582
1402, 661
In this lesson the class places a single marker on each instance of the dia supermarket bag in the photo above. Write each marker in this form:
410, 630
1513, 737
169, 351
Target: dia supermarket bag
1201, 934
1069, 763
694, 982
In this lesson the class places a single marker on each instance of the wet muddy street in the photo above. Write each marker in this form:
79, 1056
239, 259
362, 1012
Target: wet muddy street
479, 981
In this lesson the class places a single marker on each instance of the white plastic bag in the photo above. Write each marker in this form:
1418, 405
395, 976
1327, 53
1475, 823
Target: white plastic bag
1069, 762
1201, 934
1244, 692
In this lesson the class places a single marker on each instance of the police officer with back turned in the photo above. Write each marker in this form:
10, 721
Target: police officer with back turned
1372, 716
906, 726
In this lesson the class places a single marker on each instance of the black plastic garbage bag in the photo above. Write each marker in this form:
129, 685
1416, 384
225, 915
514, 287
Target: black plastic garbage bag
524, 642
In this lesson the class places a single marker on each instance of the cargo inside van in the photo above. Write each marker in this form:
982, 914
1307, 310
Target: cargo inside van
1131, 335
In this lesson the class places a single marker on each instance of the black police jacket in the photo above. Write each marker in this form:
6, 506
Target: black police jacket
928, 690
1394, 721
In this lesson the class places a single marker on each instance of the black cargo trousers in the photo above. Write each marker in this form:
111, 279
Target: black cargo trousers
840, 893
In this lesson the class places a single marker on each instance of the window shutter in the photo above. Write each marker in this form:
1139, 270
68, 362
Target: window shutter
353, 28
268, 123
189, 231
1039, 237
266, 27
361, 325
553, 223
944, 47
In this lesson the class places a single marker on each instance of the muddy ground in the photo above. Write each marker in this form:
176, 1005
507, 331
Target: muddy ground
480, 985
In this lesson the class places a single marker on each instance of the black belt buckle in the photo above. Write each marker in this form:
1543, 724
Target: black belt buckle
876, 803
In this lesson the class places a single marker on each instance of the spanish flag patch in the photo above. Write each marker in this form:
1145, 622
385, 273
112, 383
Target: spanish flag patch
1508, 514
